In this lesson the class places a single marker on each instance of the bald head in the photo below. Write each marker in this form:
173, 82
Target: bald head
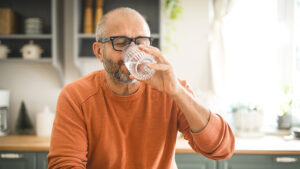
117, 17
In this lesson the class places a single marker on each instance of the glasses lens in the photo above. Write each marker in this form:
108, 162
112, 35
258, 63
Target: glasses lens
143, 41
120, 43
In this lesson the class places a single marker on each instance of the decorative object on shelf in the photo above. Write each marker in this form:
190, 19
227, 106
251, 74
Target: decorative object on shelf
284, 119
4, 50
98, 13
24, 125
248, 119
31, 51
4, 107
33, 26
88, 17
44, 123
7, 21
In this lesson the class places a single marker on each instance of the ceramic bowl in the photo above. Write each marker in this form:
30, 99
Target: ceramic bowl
296, 132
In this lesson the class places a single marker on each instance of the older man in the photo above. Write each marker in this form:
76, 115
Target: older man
108, 119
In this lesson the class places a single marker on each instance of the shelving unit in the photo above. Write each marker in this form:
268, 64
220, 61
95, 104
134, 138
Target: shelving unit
50, 12
83, 42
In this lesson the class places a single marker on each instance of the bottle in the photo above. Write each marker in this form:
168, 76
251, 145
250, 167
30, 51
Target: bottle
88, 17
44, 122
136, 62
98, 13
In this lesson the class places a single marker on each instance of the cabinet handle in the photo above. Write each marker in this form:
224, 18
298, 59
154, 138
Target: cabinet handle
286, 159
11, 156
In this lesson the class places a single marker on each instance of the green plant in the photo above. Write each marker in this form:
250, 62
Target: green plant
173, 8
173, 11
286, 105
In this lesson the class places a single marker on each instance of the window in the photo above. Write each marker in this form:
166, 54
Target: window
260, 50
296, 61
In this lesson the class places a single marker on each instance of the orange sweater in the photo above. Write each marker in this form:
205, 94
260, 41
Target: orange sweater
95, 128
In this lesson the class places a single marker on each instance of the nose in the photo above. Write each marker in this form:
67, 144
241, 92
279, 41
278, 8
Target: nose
132, 43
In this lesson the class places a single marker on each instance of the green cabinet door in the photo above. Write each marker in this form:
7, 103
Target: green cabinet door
239, 161
17, 160
42, 160
194, 161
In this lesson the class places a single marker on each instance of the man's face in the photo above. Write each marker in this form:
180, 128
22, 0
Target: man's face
116, 69
130, 26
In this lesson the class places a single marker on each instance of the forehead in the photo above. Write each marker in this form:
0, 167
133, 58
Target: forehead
127, 25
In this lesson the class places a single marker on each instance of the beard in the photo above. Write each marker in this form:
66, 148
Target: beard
114, 70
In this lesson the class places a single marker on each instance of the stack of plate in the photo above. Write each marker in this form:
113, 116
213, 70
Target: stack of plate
33, 26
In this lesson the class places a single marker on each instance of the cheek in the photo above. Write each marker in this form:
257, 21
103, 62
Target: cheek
113, 55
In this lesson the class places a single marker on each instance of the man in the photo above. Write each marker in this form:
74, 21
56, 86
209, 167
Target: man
108, 119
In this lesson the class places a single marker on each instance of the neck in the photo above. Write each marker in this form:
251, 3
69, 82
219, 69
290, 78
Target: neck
120, 88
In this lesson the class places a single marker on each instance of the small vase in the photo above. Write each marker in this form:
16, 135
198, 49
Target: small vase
284, 122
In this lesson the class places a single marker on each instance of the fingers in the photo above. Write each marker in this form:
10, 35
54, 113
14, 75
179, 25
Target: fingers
182, 82
131, 77
159, 67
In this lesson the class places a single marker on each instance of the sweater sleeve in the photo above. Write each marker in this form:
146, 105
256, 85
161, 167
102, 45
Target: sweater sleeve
216, 141
68, 145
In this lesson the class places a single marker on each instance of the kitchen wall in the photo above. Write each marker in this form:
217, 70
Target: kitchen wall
38, 84
191, 61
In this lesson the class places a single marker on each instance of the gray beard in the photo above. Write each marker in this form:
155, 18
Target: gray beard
115, 72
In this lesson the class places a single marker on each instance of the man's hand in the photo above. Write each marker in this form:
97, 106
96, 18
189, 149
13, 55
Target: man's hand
164, 78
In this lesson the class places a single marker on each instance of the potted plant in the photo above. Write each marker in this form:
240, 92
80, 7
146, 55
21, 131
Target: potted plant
248, 119
284, 119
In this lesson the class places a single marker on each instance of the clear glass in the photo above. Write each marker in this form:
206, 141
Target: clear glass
136, 62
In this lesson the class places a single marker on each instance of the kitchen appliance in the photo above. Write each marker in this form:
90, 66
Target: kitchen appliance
4, 106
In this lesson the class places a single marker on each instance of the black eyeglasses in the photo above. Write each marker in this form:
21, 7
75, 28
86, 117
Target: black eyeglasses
120, 43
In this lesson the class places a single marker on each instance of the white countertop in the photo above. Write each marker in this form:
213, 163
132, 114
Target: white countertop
255, 145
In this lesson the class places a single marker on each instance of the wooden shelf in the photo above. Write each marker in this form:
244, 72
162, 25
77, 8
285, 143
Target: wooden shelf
90, 36
41, 60
26, 36
87, 57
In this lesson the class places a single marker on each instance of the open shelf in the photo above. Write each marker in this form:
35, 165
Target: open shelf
50, 40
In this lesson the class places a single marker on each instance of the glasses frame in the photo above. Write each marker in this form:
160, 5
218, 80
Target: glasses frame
111, 38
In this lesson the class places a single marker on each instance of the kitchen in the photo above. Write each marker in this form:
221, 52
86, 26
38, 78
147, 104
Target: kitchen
67, 56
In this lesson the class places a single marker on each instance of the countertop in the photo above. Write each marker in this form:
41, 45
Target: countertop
259, 145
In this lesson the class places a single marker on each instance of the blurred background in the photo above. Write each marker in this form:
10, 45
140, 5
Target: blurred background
241, 57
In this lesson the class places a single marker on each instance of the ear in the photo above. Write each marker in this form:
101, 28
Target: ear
98, 50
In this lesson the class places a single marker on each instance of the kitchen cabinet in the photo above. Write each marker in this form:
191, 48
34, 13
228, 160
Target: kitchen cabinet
239, 161
38, 160
50, 12
42, 160
194, 161
18, 160
254, 161
23, 160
